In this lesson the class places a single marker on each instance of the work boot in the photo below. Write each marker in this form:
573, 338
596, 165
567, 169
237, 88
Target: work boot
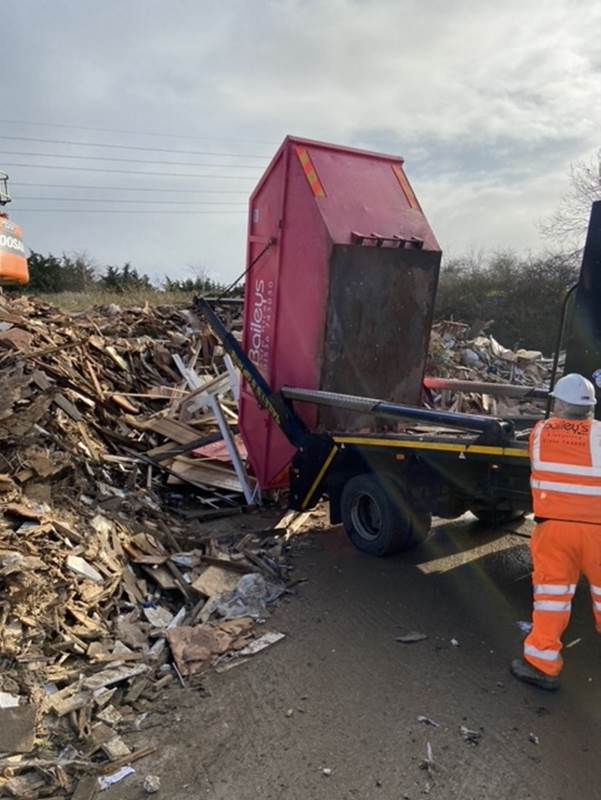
526, 673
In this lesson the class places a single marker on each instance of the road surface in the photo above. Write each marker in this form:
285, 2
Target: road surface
340, 693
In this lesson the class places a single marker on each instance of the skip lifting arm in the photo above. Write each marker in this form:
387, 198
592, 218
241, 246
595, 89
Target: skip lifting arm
278, 409
310, 445
342, 469
276, 405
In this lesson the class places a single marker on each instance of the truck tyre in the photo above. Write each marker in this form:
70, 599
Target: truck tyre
495, 517
378, 517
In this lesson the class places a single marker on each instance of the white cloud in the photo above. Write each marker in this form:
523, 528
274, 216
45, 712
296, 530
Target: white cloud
489, 104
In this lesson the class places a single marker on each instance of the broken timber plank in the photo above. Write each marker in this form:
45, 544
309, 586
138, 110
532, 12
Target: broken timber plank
87, 788
109, 677
42, 382
204, 472
105, 769
171, 429
17, 729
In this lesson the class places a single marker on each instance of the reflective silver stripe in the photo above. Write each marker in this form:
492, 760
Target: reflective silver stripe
566, 488
557, 588
597, 605
552, 605
536, 443
544, 655
595, 443
595, 589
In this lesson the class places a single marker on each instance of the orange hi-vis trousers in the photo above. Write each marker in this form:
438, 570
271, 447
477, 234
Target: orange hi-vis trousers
561, 553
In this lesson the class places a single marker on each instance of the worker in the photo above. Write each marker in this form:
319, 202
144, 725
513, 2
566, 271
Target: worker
565, 457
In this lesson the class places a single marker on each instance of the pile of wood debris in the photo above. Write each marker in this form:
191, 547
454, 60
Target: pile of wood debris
105, 595
467, 353
96, 403
98, 615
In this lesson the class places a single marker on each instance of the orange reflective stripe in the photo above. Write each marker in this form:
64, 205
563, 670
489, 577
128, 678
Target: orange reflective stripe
309, 170
406, 186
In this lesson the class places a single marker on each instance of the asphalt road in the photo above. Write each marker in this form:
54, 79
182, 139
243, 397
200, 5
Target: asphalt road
341, 694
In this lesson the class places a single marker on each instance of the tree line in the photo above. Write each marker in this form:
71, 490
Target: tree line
50, 274
516, 298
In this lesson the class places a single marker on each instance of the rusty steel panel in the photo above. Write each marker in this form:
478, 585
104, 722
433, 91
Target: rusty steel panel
379, 316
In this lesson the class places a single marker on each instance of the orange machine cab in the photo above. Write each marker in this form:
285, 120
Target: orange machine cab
13, 260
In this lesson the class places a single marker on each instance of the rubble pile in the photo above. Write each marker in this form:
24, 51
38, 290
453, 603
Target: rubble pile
94, 610
114, 578
464, 352
106, 596
83, 397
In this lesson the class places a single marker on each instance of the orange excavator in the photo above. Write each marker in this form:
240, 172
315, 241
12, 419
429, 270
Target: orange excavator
13, 260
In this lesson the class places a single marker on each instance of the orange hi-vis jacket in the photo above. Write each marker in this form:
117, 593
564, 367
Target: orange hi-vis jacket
565, 459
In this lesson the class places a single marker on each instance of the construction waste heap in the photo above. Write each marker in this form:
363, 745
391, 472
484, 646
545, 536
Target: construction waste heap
111, 585
125, 563
465, 352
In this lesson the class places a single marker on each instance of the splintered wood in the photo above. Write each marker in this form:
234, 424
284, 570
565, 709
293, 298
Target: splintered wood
105, 472
91, 612
96, 402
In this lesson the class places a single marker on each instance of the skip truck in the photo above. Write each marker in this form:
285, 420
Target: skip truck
341, 277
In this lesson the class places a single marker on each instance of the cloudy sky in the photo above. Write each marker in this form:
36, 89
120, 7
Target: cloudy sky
135, 130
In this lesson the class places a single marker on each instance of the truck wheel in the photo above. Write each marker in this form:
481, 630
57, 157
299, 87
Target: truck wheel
378, 518
495, 517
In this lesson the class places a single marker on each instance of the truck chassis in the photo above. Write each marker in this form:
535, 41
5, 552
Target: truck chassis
384, 488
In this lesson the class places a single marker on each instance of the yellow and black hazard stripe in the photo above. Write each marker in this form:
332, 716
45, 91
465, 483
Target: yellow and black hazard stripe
319, 477
398, 444
437, 447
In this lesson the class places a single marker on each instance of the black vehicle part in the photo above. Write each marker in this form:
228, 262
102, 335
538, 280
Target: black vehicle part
495, 430
495, 517
309, 467
379, 516
583, 342
558, 343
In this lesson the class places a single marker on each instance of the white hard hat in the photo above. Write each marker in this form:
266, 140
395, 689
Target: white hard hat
575, 389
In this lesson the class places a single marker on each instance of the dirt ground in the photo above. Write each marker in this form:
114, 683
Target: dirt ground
341, 694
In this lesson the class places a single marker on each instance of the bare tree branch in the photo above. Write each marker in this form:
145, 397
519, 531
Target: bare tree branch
567, 225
